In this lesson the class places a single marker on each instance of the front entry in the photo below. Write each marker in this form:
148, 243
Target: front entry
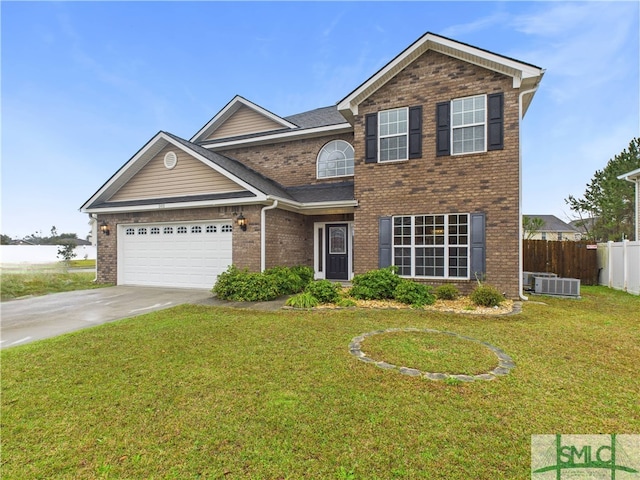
337, 251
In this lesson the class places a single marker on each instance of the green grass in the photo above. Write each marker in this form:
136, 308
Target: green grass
16, 285
431, 352
204, 392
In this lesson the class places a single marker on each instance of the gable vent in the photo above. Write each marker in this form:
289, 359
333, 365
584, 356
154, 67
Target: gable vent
170, 160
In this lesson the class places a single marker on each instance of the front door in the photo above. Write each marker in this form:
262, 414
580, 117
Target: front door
337, 251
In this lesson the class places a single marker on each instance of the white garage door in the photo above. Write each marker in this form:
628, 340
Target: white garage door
187, 255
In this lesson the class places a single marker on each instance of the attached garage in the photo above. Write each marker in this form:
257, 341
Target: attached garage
182, 255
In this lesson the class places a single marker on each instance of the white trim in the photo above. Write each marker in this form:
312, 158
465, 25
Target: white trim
284, 136
263, 234
320, 274
397, 135
232, 107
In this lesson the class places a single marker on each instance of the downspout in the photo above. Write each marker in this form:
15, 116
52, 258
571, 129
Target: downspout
263, 234
95, 219
520, 230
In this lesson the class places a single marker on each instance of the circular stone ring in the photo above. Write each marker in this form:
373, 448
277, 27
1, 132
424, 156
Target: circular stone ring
505, 363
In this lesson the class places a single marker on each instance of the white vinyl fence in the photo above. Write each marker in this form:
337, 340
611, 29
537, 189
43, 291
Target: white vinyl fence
619, 264
27, 254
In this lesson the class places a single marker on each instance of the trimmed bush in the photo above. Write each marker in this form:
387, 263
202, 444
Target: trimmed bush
242, 286
486, 296
413, 293
375, 284
303, 300
448, 291
324, 290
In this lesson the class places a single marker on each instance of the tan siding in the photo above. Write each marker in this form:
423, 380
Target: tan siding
244, 121
189, 177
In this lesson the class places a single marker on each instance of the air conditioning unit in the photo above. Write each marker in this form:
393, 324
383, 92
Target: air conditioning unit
528, 278
569, 287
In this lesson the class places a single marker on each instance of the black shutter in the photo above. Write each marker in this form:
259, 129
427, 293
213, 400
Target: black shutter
478, 246
415, 132
443, 130
495, 121
371, 138
384, 242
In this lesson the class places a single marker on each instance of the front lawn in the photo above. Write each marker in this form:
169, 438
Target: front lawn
204, 392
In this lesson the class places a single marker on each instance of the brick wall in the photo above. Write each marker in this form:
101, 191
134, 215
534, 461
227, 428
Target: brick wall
486, 182
288, 163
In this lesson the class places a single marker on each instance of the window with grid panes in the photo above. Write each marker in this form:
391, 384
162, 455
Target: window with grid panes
431, 246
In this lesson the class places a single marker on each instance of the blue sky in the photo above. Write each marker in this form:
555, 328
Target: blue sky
85, 85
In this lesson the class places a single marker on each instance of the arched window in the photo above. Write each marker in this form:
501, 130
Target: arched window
335, 159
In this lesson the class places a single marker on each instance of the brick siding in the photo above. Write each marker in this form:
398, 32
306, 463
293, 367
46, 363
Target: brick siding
486, 182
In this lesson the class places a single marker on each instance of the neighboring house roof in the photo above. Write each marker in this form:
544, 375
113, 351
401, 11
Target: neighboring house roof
525, 75
553, 224
585, 225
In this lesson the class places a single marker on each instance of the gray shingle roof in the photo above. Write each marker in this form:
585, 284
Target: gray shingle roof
320, 117
324, 192
553, 224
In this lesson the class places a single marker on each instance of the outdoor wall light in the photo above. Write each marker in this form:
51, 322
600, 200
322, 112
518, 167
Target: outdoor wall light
242, 222
104, 227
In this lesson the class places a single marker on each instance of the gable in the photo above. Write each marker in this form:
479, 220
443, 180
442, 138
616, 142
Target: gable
189, 177
244, 121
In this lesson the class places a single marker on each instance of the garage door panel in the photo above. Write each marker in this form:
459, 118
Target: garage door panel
189, 255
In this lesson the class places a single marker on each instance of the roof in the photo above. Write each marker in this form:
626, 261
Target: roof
320, 117
553, 224
632, 176
525, 75
258, 187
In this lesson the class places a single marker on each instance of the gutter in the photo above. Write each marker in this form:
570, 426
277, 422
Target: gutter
263, 230
520, 230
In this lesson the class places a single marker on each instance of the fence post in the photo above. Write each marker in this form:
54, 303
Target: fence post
625, 275
609, 264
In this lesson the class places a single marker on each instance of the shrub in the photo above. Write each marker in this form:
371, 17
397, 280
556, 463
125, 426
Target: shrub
303, 300
324, 290
486, 296
375, 284
305, 273
448, 291
287, 280
413, 293
243, 286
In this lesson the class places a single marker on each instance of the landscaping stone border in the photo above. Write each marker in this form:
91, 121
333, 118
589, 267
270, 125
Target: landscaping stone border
505, 362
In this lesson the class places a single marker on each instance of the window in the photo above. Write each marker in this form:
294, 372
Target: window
211, 229
155, 231
130, 231
393, 133
432, 245
168, 230
226, 228
468, 123
196, 229
335, 159
181, 230
142, 231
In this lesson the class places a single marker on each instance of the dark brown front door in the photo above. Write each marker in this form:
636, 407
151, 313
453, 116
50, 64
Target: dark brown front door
337, 251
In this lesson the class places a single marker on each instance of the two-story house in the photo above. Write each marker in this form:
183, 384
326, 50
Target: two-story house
418, 167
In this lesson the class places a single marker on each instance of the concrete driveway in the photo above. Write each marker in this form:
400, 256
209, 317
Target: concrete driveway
35, 318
